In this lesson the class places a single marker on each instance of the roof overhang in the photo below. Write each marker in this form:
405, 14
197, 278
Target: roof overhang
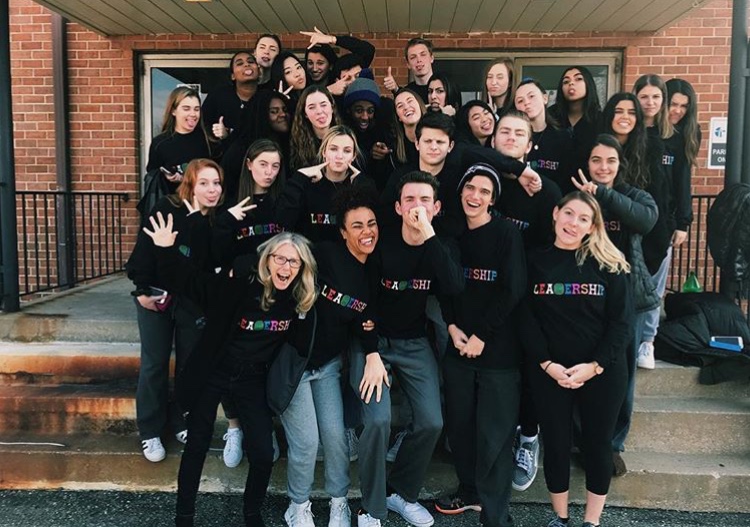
153, 17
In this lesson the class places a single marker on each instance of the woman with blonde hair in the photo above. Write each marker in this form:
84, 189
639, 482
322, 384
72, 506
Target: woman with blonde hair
249, 316
576, 324
305, 206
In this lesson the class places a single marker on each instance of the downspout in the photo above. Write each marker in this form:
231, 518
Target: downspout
8, 222
738, 77
64, 219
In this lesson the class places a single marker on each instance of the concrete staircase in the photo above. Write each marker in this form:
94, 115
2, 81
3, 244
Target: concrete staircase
68, 369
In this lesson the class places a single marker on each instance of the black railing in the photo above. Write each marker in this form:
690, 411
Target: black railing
66, 238
693, 255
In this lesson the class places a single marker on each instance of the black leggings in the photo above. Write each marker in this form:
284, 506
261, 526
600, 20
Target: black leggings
598, 402
246, 385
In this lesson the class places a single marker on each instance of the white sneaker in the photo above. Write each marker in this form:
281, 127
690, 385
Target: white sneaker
181, 437
390, 456
299, 515
352, 442
646, 356
153, 450
413, 513
365, 520
233, 447
341, 514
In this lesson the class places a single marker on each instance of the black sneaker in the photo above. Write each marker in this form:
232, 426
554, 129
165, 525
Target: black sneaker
455, 504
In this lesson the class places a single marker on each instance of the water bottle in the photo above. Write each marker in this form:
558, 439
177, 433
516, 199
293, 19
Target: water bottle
692, 285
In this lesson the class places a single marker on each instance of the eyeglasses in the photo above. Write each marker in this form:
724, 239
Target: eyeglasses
283, 260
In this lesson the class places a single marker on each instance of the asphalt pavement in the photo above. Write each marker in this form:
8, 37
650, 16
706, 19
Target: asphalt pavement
128, 509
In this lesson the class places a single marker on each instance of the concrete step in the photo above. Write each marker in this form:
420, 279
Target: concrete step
99, 312
68, 362
690, 425
672, 380
68, 408
697, 482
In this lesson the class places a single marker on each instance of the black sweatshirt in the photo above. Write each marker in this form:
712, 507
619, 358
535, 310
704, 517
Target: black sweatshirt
657, 241
681, 207
494, 266
532, 215
193, 242
449, 222
343, 304
306, 207
223, 102
233, 238
575, 314
170, 150
257, 334
553, 155
407, 275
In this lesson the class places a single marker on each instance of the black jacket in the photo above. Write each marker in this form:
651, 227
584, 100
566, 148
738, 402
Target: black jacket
635, 213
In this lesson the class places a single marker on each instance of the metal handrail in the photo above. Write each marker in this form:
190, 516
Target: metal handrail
93, 245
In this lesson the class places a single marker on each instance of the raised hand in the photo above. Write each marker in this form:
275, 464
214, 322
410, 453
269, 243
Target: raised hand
220, 131
191, 207
389, 82
162, 235
379, 151
284, 92
239, 210
317, 37
585, 185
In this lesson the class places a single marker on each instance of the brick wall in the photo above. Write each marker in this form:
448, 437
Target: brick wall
104, 142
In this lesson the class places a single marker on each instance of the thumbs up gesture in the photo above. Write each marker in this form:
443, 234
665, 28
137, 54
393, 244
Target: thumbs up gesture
389, 82
220, 131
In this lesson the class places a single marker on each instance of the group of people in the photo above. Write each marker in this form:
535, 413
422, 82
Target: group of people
501, 261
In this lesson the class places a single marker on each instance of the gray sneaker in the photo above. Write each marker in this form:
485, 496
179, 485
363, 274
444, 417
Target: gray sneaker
527, 464
557, 522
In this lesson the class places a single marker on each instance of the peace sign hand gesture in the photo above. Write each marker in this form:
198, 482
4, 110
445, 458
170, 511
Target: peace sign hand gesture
284, 92
585, 185
317, 37
239, 210
162, 235
192, 207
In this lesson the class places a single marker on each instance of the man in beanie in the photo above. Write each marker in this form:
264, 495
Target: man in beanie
481, 368
360, 107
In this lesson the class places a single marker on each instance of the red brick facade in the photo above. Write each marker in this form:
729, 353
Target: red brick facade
103, 120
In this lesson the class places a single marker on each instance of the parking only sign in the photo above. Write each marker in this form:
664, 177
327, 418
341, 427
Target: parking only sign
717, 143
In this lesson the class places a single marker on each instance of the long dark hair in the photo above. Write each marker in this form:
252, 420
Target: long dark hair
661, 120
463, 130
509, 65
688, 125
592, 109
247, 184
452, 95
277, 70
636, 147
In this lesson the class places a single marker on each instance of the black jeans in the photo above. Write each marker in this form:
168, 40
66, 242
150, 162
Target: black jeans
481, 410
246, 385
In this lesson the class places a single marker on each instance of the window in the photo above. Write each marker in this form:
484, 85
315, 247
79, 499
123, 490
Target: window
465, 69
162, 74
